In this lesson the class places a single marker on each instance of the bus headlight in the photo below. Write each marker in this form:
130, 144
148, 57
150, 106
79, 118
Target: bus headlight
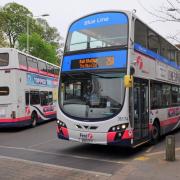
118, 128
60, 123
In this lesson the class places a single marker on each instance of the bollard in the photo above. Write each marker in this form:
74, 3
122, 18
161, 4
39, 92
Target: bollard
170, 148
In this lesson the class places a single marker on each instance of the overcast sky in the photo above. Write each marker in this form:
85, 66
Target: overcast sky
63, 12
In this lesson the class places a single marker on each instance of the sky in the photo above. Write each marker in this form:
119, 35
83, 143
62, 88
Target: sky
64, 12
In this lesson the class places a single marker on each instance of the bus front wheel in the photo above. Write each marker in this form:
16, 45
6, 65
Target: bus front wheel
155, 133
34, 118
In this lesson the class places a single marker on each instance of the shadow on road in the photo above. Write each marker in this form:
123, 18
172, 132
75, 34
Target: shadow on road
106, 152
19, 129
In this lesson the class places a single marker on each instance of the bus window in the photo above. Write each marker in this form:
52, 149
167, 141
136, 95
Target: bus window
78, 41
50, 69
174, 95
140, 33
56, 71
32, 64
156, 99
178, 58
42, 66
153, 42
4, 59
166, 95
172, 53
50, 98
34, 97
164, 48
44, 98
106, 36
178, 99
22, 61
27, 98
4, 91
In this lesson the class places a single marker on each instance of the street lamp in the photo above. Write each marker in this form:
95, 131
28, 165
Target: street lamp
27, 22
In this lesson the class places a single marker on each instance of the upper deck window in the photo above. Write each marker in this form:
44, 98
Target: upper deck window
32, 63
56, 70
50, 69
22, 60
98, 31
42, 66
4, 59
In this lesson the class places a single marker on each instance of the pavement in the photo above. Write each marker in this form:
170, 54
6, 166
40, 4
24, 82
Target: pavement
147, 166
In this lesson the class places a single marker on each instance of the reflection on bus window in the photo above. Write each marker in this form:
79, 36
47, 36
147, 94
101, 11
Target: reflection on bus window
42, 66
44, 98
22, 60
92, 95
50, 98
108, 36
34, 98
32, 63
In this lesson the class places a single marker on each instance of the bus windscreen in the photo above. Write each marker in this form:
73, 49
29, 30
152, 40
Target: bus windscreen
98, 31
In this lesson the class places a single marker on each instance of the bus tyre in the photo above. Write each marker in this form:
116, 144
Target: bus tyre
155, 133
34, 119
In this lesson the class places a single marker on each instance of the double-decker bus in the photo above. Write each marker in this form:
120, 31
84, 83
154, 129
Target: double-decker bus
28, 89
119, 82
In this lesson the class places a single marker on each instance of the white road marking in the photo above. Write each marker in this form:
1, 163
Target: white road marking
55, 166
150, 149
66, 155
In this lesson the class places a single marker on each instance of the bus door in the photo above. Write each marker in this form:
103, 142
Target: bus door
141, 109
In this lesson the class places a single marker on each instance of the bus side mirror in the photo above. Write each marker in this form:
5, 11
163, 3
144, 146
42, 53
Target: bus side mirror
128, 81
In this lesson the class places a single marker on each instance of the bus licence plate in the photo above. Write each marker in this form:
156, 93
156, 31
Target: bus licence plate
86, 137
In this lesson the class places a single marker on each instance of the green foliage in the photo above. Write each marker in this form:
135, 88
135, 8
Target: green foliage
13, 19
39, 47
3, 42
43, 39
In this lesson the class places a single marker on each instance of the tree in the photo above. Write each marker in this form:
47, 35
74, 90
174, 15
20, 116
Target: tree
3, 42
52, 36
168, 12
13, 20
39, 47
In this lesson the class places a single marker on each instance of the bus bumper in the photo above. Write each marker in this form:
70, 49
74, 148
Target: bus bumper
91, 137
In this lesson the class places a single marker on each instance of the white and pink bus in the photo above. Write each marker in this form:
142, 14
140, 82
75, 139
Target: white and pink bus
28, 89
119, 82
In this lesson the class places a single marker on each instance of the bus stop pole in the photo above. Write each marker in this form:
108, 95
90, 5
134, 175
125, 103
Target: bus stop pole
170, 148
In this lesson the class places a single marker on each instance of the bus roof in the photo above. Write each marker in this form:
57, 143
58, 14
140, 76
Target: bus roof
129, 14
16, 50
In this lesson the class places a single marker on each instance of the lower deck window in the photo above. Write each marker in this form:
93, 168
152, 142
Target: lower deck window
34, 97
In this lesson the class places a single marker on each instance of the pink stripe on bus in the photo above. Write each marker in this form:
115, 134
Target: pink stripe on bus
15, 120
169, 121
50, 113
33, 69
